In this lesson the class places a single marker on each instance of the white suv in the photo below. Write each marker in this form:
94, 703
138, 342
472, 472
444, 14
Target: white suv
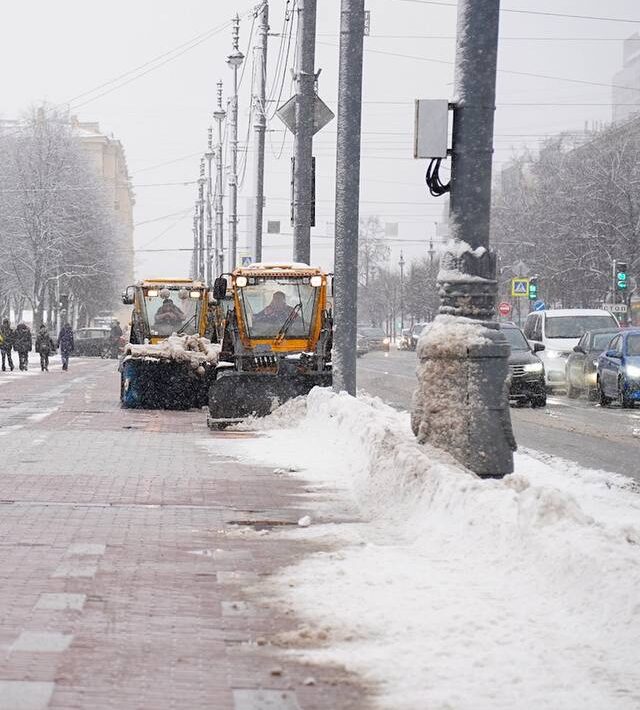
559, 331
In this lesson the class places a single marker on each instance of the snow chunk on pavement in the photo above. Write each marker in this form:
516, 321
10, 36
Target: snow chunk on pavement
457, 592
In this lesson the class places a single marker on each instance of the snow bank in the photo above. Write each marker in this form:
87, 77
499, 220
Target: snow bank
457, 592
198, 352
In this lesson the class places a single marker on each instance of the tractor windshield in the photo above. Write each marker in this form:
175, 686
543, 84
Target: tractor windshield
172, 311
278, 308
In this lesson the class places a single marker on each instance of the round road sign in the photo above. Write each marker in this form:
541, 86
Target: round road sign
504, 309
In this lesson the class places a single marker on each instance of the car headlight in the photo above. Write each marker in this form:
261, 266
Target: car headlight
534, 367
386, 341
633, 370
552, 354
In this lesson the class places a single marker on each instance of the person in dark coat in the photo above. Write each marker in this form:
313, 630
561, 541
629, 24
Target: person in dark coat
22, 345
66, 345
45, 346
7, 339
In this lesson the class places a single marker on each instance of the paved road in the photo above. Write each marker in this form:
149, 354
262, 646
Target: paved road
127, 542
607, 439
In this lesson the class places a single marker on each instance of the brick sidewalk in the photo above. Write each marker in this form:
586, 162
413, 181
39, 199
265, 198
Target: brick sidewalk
124, 560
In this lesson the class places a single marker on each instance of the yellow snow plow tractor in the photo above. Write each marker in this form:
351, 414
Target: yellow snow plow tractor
169, 359
276, 336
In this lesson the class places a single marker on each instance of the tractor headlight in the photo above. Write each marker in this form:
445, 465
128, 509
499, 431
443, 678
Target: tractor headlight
152, 293
194, 294
534, 367
633, 371
241, 281
316, 281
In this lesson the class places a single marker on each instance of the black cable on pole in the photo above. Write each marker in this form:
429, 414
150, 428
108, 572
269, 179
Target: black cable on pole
436, 187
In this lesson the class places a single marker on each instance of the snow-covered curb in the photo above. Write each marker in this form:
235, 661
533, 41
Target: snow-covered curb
455, 592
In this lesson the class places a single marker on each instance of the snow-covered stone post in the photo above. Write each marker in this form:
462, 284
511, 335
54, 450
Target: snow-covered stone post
461, 404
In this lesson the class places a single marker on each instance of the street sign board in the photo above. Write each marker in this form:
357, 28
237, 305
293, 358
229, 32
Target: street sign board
538, 306
322, 114
616, 307
246, 261
520, 287
504, 309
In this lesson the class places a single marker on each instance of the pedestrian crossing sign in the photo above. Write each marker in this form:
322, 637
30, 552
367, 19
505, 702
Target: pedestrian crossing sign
519, 287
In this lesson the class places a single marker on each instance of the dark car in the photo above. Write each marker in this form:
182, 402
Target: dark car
582, 364
618, 377
415, 333
526, 371
92, 342
374, 338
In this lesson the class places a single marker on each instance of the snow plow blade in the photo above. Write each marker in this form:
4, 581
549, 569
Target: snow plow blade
161, 384
234, 396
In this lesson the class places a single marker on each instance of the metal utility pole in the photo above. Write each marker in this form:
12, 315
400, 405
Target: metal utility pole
345, 308
209, 256
305, 100
201, 230
234, 60
219, 114
401, 264
260, 127
482, 438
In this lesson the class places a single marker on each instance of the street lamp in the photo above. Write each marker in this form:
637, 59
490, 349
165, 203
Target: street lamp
401, 265
234, 60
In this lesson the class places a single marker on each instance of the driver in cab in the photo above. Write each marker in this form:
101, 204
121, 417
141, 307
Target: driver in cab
169, 314
277, 311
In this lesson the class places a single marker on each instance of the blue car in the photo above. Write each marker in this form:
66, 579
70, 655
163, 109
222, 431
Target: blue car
618, 377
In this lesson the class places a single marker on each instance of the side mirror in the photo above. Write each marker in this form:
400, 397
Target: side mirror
220, 288
613, 354
539, 347
128, 296
578, 349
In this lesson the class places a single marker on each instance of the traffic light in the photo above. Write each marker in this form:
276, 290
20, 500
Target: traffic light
622, 277
533, 288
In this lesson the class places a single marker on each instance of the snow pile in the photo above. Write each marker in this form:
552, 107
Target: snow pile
457, 592
196, 351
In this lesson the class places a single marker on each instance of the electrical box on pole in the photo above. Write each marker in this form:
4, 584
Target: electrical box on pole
431, 128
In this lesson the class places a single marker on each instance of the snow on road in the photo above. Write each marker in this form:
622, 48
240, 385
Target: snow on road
456, 592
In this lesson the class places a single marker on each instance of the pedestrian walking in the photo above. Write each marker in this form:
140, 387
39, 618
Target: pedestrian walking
7, 340
66, 345
44, 346
114, 339
23, 344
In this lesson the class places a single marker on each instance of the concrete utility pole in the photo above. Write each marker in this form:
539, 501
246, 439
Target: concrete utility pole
201, 229
219, 114
347, 218
196, 241
401, 264
479, 433
260, 127
234, 60
305, 99
209, 197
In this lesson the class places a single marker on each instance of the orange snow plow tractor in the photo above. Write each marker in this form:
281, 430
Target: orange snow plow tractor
169, 357
276, 337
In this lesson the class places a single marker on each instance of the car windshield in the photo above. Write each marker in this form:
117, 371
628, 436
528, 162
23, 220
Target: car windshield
575, 326
633, 344
601, 340
278, 307
515, 338
172, 311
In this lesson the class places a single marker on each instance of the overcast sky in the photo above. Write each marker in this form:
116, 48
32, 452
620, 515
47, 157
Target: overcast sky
56, 52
